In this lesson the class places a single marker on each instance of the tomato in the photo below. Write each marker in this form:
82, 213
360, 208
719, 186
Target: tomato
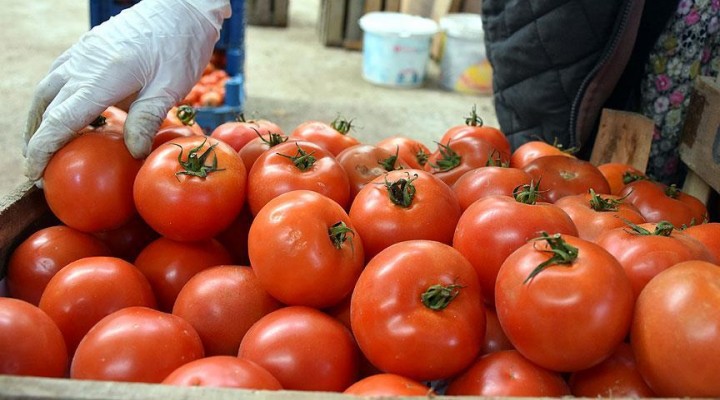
453, 159
334, 136
560, 176
304, 249
647, 249
564, 302
616, 376
365, 162
488, 181
595, 213
620, 174
254, 148
534, 149
241, 131
234, 237
36, 259
303, 348
495, 337
417, 311
707, 234
136, 344
169, 133
221, 303
675, 333
127, 241
88, 183
659, 202
387, 385
474, 127
86, 290
191, 189
507, 373
111, 120
31, 344
404, 205
223, 371
412, 151
169, 264
493, 227
183, 115
296, 165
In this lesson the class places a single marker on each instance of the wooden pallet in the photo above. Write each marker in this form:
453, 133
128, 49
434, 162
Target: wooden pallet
267, 12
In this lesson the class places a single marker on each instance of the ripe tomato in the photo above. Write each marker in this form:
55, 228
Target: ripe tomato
333, 137
388, 385
707, 234
595, 213
413, 152
404, 205
564, 303
616, 376
296, 165
31, 344
191, 188
647, 249
169, 133
493, 227
453, 159
303, 348
183, 115
221, 303
495, 337
112, 120
223, 371
304, 249
169, 264
365, 162
534, 149
507, 373
135, 344
488, 181
42, 254
417, 311
127, 241
473, 126
659, 202
560, 176
620, 174
241, 131
86, 290
88, 183
234, 237
675, 333
254, 148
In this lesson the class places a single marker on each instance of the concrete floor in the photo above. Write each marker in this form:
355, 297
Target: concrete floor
290, 77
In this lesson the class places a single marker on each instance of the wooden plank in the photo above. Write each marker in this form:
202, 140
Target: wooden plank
422, 8
623, 137
392, 5
373, 5
331, 22
281, 11
694, 185
353, 33
267, 12
472, 6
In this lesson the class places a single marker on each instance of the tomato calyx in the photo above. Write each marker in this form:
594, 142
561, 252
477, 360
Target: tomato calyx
422, 157
495, 160
195, 165
604, 204
474, 119
240, 117
99, 121
273, 139
402, 191
629, 177
338, 233
302, 159
662, 228
186, 114
563, 253
342, 125
438, 297
388, 164
448, 160
672, 191
527, 193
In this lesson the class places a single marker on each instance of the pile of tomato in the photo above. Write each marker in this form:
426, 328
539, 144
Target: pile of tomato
259, 259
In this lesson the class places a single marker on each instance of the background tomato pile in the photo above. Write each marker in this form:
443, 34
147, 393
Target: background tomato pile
255, 258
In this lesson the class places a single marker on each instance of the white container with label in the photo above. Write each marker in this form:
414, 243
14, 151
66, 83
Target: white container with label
464, 66
396, 48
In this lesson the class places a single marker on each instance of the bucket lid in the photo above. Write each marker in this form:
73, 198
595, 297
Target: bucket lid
395, 23
465, 25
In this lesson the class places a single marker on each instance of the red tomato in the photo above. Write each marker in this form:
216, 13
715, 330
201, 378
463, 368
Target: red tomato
675, 333
223, 371
31, 344
304, 249
534, 149
36, 259
191, 188
595, 213
659, 202
254, 148
334, 137
183, 115
169, 133
560, 176
488, 181
169, 264
388, 385
474, 127
136, 344
234, 237
296, 165
88, 182
127, 241
86, 290
492, 228
647, 249
450, 161
365, 162
222, 303
619, 174
495, 337
564, 303
707, 234
412, 151
507, 374
303, 348
241, 131
616, 376
404, 205
417, 311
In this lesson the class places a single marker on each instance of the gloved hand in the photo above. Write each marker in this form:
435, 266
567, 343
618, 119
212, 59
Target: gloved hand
156, 49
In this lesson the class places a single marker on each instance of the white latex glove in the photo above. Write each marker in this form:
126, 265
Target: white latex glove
156, 49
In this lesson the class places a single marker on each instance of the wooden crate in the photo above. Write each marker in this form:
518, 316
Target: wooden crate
267, 12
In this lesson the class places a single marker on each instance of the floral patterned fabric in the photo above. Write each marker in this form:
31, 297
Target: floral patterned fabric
687, 48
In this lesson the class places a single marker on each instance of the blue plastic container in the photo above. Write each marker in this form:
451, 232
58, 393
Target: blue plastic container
231, 44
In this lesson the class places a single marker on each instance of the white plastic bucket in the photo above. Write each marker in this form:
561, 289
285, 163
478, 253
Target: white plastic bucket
396, 48
464, 66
